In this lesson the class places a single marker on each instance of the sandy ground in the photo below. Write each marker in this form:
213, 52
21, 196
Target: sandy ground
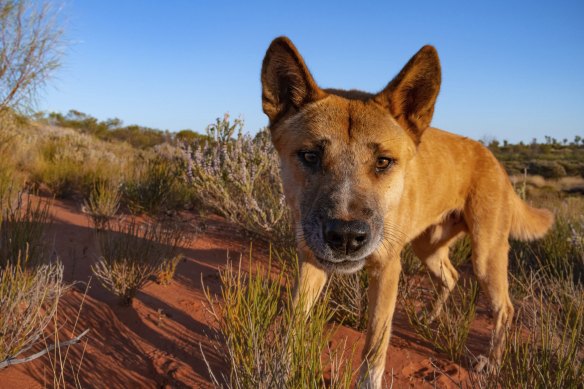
159, 342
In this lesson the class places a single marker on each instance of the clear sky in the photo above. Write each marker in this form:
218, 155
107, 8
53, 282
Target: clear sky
511, 69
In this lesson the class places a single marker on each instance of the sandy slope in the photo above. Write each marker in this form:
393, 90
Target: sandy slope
159, 341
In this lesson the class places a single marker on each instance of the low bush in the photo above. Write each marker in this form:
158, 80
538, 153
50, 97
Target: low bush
547, 169
238, 177
71, 164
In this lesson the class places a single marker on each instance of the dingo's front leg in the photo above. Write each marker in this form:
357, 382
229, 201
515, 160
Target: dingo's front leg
311, 280
382, 293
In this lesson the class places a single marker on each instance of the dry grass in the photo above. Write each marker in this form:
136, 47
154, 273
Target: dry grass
28, 302
449, 331
545, 347
348, 299
132, 253
523, 182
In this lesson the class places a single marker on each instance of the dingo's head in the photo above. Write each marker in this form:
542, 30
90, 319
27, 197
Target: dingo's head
344, 154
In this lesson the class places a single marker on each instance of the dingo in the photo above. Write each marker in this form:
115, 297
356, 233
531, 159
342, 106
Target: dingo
364, 174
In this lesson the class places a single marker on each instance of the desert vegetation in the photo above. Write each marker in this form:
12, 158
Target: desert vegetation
138, 190
134, 195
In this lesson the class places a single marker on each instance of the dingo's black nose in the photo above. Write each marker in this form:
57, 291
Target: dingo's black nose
345, 236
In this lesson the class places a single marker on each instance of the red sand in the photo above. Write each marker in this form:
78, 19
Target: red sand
158, 341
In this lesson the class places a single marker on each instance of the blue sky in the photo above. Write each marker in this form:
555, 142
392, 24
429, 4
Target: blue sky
511, 69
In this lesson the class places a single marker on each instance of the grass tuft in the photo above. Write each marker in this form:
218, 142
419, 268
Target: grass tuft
266, 342
103, 203
132, 253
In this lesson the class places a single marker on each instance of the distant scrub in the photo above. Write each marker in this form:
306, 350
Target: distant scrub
71, 164
190, 136
552, 159
110, 129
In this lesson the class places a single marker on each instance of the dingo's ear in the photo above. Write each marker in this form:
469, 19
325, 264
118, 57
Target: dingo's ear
286, 81
411, 95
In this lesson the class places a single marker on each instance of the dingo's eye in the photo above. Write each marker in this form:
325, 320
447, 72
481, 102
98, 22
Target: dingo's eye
383, 163
309, 158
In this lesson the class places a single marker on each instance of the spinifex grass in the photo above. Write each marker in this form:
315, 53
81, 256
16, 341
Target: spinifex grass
103, 202
268, 343
132, 253
461, 251
449, 331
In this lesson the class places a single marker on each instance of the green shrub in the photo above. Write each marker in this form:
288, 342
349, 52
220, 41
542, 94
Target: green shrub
270, 344
547, 169
189, 136
110, 129
139, 137
572, 168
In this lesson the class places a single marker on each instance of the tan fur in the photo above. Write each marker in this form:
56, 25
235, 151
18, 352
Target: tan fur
438, 187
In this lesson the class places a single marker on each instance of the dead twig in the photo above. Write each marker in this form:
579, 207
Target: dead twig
16, 361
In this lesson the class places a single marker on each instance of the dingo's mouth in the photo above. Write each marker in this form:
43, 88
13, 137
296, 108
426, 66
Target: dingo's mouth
344, 266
